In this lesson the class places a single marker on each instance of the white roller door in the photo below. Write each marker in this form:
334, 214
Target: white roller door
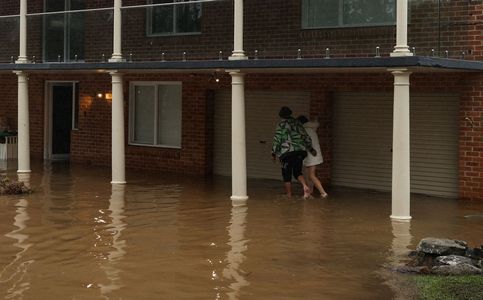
363, 141
261, 111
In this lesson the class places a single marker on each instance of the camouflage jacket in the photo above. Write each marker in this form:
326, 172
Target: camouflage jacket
290, 136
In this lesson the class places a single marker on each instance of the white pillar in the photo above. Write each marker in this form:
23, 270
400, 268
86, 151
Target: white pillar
238, 52
238, 143
22, 57
402, 48
117, 141
117, 34
400, 147
23, 123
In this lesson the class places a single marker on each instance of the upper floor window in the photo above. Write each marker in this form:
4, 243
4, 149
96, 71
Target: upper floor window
63, 32
174, 19
347, 13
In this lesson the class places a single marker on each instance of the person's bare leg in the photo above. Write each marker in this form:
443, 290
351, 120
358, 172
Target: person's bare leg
316, 181
307, 179
307, 193
288, 189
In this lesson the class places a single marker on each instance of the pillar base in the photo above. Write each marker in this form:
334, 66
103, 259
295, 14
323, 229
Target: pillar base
24, 171
238, 56
401, 53
118, 182
401, 218
116, 59
238, 198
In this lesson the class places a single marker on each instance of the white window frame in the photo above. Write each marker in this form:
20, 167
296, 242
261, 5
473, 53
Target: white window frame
132, 120
149, 23
340, 19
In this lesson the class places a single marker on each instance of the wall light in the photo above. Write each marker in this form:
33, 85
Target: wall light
105, 96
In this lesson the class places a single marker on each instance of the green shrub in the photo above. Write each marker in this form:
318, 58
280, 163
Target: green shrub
468, 287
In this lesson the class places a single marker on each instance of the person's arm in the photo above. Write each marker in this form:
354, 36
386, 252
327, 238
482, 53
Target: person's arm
306, 139
277, 141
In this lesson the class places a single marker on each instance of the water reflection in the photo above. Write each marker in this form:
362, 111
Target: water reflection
401, 241
238, 244
13, 274
25, 178
398, 255
110, 266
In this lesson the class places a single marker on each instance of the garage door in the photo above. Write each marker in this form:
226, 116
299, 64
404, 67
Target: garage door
261, 112
363, 141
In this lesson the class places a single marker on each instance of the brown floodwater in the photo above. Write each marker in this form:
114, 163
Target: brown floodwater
180, 237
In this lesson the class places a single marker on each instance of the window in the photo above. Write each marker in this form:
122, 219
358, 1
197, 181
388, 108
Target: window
340, 13
174, 19
63, 33
155, 114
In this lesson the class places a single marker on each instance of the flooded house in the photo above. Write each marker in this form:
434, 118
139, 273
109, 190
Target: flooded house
195, 87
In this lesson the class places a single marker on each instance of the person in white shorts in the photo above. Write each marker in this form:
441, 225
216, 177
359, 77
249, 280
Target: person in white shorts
311, 162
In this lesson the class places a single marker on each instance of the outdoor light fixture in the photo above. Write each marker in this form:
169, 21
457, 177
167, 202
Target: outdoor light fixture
104, 96
215, 77
378, 54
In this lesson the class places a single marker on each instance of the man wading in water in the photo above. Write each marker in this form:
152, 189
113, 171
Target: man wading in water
290, 145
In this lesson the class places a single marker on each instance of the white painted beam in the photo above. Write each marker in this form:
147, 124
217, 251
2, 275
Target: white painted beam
402, 48
23, 126
117, 142
238, 139
238, 52
117, 33
22, 57
401, 147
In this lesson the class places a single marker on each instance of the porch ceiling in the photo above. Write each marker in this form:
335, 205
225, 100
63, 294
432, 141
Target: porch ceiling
311, 65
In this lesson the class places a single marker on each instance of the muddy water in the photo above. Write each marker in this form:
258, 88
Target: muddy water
178, 237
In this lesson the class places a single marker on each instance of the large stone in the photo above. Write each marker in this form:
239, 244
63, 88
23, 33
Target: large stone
442, 246
475, 253
453, 260
460, 269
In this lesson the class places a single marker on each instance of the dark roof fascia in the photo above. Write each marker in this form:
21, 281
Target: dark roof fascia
309, 63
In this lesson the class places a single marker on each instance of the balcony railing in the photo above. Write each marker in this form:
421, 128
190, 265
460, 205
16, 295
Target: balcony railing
203, 30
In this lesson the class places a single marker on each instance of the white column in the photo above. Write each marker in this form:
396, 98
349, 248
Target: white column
402, 48
238, 143
23, 123
400, 147
22, 57
238, 52
117, 142
117, 35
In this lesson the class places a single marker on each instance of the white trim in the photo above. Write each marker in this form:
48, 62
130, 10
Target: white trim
132, 122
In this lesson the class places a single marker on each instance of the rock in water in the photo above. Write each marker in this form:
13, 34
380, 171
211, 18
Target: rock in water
442, 246
453, 260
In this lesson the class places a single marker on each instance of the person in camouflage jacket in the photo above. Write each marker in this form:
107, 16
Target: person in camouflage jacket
290, 144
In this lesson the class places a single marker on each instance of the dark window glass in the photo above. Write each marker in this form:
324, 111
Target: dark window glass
175, 19
334, 13
64, 33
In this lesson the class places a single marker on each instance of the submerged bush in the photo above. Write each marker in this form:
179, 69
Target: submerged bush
12, 187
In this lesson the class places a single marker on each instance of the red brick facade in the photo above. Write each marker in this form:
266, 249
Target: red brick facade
274, 29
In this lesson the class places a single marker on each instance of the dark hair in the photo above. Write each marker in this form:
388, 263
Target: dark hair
302, 119
285, 112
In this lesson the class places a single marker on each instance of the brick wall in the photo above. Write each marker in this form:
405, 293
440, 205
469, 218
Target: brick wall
471, 138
